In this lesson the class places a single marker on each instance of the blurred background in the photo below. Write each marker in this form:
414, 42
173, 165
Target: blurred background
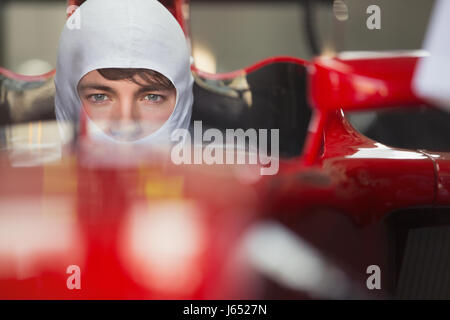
233, 34
228, 35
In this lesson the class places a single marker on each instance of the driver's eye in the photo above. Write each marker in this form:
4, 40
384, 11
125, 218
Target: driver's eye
153, 97
99, 97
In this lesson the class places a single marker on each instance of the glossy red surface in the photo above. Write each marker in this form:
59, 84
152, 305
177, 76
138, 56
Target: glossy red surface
355, 175
102, 212
363, 83
358, 84
442, 167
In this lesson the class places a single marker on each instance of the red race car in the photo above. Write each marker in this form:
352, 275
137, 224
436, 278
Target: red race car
346, 216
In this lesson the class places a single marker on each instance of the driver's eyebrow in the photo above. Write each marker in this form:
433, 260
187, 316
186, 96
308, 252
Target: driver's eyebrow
151, 88
94, 86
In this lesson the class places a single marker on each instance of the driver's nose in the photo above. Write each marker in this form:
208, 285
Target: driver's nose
125, 119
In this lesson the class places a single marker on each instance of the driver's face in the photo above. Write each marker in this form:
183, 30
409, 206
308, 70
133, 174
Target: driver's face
123, 109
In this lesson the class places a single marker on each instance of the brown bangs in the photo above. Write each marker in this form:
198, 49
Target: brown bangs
142, 77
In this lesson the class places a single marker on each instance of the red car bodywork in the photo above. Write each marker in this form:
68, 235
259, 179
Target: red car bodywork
342, 184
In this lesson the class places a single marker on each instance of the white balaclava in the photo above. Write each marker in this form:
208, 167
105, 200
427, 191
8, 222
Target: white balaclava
122, 34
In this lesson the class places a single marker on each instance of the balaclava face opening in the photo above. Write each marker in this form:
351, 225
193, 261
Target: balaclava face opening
139, 34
